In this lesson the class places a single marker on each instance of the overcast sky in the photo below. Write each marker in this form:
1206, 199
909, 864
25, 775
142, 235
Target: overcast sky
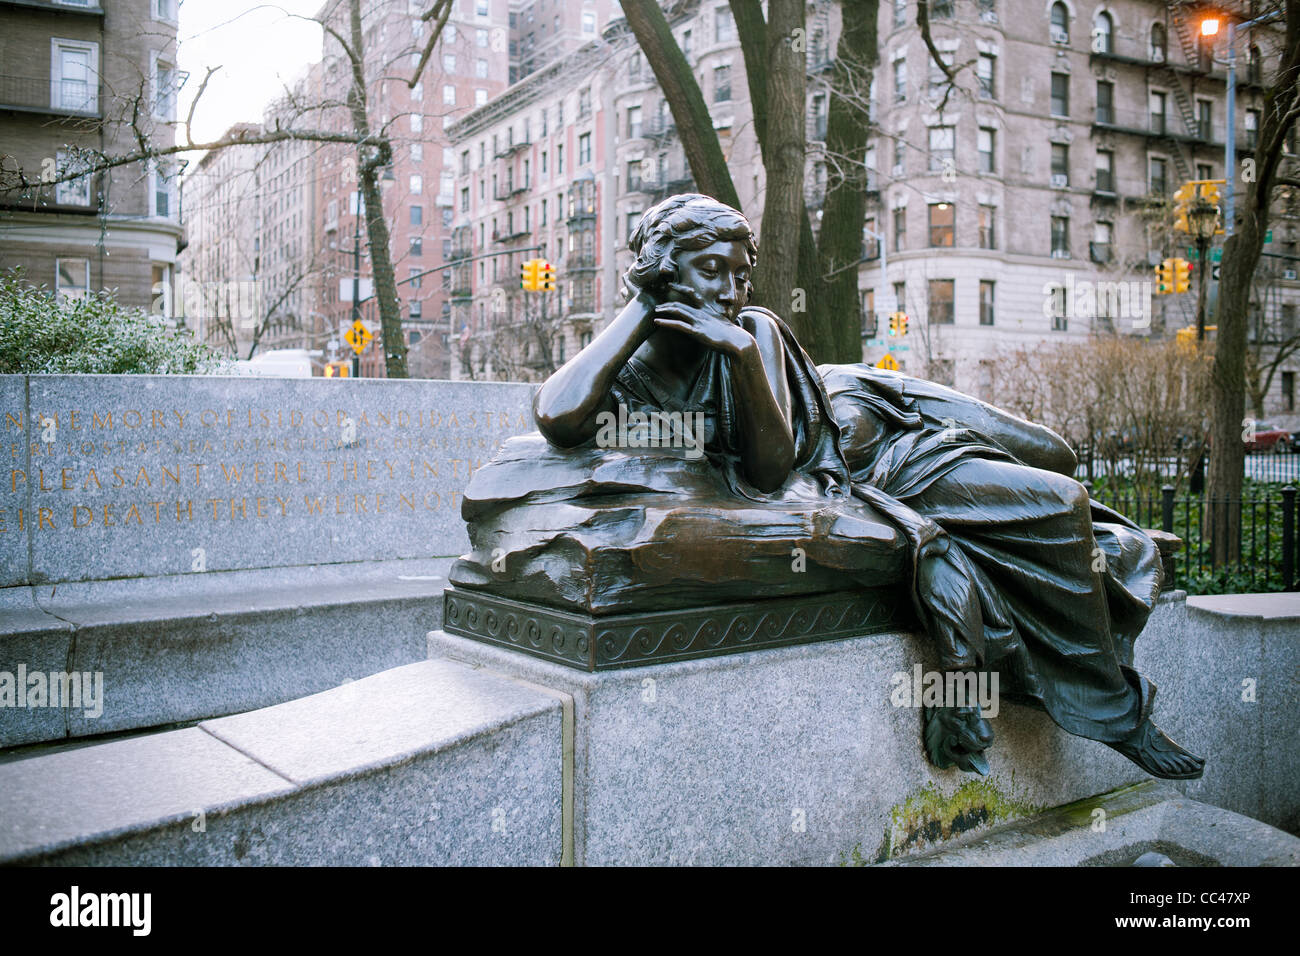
260, 49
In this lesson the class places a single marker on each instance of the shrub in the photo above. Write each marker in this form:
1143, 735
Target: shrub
40, 333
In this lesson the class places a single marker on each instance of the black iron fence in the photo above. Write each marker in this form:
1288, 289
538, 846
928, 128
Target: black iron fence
1267, 552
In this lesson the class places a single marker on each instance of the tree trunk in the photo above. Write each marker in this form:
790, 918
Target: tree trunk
847, 132
1241, 255
694, 124
809, 323
370, 158
783, 157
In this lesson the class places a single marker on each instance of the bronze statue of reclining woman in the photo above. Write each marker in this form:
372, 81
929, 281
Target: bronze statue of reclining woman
1012, 568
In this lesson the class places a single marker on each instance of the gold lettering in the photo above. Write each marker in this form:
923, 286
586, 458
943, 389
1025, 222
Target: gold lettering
89, 478
76, 509
133, 510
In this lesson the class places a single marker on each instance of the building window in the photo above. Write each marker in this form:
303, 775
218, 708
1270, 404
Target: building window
634, 175
900, 228
986, 139
72, 278
464, 199
1158, 101
164, 90
900, 80
1288, 389
74, 76
986, 302
634, 122
900, 13
480, 68
1205, 119
1159, 42
941, 9
900, 156
417, 246
1103, 238
74, 192
942, 147
480, 8
448, 94
480, 97
722, 28
1060, 20
1060, 237
943, 216
559, 159
1158, 181
900, 296
584, 149
867, 305
984, 69
584, 103
417, 123
1103, 34
162, 9
987, 237
417, 215
686, 43
1105, 101
417, 184
1254, 65
449, 62
1252, 128
633, 218
1105, 171
937, 79
942, 309
164, 190
1060, 94
1204, 171
589, 23
414, 277
1060, 165
722, 84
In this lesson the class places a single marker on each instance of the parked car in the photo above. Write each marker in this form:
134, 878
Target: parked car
1269, 437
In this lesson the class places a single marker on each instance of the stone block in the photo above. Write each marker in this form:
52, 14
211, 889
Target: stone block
31, 641
433, 763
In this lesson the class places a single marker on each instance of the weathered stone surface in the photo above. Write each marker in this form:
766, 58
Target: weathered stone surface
429, 764
1115, 829
614, 530
157, 475
186, 647
15, 494
784, 756
1201, 653
31, 640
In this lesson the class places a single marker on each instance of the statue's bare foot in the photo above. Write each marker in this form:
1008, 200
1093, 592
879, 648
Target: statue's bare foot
957, 736
1150, 749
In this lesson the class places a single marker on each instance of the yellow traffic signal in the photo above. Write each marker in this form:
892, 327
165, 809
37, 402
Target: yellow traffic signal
1165, 277
1182, 275
1186, 336
337, 370
546, 277
529, 275
898, 323
1210, 193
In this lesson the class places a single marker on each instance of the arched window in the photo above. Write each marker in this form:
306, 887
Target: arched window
1159, 42
1060, 23
1103, 34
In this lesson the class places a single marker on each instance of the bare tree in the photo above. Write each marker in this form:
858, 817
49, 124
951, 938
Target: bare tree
1241, 255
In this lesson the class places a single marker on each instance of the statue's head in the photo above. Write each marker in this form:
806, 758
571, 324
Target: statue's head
684, 223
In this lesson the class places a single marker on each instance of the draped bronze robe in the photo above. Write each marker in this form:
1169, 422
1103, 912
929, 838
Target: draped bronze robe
1013, 568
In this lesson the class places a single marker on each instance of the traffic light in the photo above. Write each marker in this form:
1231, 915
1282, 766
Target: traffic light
529, 275
1165, 277
1186, 336
337, 370
546, 277
898, 323
1184, 199
1182, 275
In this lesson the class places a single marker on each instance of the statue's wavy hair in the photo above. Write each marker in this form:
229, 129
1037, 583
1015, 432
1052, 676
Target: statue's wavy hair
687, 221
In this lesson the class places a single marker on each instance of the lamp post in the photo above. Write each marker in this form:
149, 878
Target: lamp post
1210, 29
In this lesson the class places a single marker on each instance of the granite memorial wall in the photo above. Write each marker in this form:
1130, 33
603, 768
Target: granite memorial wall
126, 476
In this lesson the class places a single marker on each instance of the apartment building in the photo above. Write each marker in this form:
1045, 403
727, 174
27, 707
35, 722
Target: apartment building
561, 166
220, 284
1029, 206
74, 75
468, 68
1013, 211
543, 31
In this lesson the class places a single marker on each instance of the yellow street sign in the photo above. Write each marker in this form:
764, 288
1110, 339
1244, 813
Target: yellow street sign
888, 362
358, 337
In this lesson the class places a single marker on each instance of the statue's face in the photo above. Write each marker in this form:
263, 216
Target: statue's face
718, 274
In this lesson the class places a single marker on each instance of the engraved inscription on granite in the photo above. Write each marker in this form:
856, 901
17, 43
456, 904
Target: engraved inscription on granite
119, 476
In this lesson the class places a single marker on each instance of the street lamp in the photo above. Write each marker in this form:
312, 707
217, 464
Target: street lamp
1210, 28
1203, 220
